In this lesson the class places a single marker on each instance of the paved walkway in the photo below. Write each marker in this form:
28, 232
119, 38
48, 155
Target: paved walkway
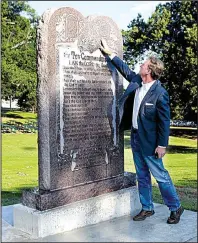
124, 229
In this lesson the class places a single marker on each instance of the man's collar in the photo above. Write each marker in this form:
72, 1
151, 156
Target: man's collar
148, 84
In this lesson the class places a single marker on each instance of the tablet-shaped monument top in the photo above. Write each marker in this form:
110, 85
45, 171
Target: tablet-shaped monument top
81, 152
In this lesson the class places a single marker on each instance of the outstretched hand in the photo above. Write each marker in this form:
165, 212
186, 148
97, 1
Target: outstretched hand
104, 48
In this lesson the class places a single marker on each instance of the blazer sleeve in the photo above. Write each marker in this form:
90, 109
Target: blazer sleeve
163, 119
126, 72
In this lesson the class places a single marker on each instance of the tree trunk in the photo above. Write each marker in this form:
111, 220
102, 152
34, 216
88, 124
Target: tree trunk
10, 102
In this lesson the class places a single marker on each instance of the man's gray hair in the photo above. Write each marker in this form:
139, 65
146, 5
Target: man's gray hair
156, 66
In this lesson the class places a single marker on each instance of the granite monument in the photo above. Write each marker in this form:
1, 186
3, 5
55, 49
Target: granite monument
81, 149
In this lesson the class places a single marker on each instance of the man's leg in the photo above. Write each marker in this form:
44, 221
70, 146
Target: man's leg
144, 182
166, 187
143, 175
164, 181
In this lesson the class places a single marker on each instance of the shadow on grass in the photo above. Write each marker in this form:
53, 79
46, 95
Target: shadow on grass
13, 116
14, 196
186, 182
187, 195
182, 133
172, 149
29, 148
127, 133
127, 142
9, 198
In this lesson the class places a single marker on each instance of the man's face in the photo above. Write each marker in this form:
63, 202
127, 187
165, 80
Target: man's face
144, 69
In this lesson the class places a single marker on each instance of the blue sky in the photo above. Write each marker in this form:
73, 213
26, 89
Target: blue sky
122, 12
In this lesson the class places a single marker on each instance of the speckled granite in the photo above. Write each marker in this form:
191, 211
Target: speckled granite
50, 199
81, 149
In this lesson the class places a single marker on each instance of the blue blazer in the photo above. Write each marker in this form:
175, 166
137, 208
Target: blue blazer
153, 119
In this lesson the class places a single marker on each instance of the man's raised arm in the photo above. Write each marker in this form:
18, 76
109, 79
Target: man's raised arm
119, 64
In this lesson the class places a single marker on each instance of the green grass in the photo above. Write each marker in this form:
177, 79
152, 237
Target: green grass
18, 116
184, 128
20, 168
181, 162
19, 165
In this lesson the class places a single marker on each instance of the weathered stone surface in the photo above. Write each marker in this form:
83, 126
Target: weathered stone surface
43, 200
78, 91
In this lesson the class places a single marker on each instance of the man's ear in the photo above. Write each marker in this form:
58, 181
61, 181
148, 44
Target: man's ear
148, 71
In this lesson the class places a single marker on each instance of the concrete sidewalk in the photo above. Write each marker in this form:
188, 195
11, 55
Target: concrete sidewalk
124, 229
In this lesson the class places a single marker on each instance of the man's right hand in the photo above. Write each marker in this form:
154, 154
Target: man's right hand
104, 48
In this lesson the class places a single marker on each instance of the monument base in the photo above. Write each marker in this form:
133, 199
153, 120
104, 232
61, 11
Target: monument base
43, 200
75, 215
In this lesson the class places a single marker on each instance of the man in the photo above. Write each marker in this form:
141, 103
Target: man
144, 108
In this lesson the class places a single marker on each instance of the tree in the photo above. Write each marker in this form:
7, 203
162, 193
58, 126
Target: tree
171, 32
18, 23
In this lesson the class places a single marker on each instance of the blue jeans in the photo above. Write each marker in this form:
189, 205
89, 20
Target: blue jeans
146, 164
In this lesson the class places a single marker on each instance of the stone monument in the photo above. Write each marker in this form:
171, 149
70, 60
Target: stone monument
81, 149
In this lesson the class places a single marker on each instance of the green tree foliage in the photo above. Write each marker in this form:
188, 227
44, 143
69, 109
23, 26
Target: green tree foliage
18, 23
171, 32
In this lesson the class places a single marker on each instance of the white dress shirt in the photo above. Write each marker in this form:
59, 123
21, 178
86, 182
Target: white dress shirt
139, 96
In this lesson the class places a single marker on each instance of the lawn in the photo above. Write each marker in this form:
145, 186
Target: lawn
181, 162
20, 167
18, 116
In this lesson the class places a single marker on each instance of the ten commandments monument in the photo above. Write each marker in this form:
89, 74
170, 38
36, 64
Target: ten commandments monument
81, 149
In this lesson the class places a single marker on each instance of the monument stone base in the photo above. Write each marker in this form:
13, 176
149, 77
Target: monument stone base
44, 200
78, 214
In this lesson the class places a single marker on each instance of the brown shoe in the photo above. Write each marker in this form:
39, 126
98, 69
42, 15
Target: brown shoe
143, 214
175, 216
